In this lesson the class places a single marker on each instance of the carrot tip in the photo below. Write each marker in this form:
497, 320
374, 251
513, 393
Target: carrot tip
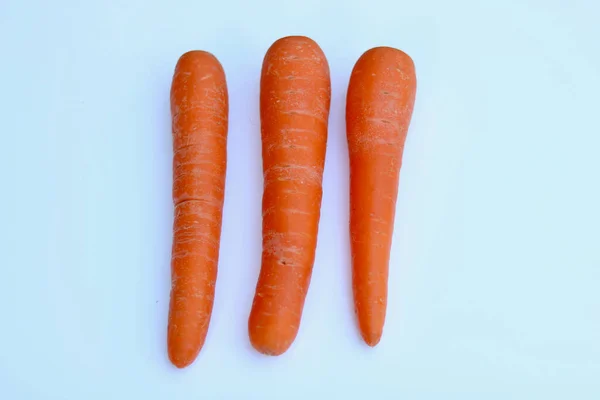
268, 349
371, 338
268, 342
182, 357
181, 361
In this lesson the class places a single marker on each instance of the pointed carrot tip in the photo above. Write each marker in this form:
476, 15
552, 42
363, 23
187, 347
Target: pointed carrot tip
372, 338
181, 363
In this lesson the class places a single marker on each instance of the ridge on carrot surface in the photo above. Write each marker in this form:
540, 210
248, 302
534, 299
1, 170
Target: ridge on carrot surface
295, 94
379, 105
199, 109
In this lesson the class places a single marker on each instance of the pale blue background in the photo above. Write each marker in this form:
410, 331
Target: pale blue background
494, 285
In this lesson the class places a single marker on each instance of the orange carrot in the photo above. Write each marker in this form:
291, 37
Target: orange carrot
379, 106
295, 93
199, 108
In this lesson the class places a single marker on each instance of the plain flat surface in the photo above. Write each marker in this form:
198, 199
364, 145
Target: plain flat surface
496, 258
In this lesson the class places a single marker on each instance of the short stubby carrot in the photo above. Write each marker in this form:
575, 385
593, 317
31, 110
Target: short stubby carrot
295, 94
199, 109
379, 106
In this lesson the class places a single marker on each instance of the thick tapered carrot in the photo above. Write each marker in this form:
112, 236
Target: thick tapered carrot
379, 106
199, 109
295, 94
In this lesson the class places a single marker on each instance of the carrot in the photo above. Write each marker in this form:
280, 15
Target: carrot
199, 109
379, 106
295, 94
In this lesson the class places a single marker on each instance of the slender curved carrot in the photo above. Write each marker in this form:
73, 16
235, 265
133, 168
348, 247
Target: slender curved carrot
379, 106
295, 94
199, 108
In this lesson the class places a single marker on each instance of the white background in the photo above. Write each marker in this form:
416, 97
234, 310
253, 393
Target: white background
495, 271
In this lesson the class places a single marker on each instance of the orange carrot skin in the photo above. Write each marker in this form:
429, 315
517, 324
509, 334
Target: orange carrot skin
199, 109
295, 97
379, 107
